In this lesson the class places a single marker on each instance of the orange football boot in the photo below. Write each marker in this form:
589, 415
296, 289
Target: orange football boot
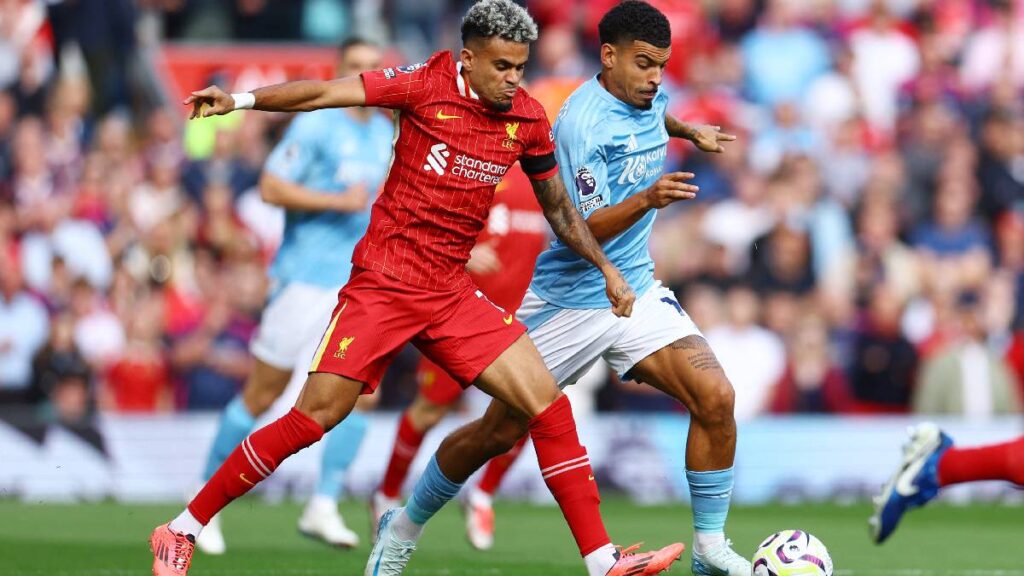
172, 552
632, 563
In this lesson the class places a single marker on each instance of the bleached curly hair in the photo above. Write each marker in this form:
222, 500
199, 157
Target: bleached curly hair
502, 18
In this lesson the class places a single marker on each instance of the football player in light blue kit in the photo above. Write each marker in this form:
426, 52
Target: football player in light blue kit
325, 173
611, 140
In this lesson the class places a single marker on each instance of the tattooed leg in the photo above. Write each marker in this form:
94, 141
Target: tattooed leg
702, 358
688, 371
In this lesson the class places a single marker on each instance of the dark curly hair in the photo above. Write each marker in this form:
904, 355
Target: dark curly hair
635, 20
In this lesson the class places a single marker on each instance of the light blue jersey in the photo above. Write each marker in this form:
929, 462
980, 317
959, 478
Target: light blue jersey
327, 151
607, 151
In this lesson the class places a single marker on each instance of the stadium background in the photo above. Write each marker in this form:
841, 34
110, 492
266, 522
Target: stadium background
856, 258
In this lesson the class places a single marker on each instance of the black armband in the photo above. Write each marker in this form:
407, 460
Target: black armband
536, 165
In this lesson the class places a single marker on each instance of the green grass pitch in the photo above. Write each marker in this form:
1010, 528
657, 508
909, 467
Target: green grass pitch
110, 539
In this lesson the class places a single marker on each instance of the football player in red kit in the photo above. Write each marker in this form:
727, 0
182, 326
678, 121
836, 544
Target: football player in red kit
461, 124
501, 264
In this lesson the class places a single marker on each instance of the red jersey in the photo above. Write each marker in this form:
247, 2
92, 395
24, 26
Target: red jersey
450, 152
519, 233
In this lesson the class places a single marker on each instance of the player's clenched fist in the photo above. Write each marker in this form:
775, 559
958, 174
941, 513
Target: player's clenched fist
620, 294
209, 101
671, 187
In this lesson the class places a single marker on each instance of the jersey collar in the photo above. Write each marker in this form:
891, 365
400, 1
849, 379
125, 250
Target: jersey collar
464, 89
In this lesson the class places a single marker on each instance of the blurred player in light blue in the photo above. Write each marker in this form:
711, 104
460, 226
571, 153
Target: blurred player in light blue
324, 173
611, 140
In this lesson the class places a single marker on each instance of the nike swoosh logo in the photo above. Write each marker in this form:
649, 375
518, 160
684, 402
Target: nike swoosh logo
905, 480
508, 319
443, 116
246, 480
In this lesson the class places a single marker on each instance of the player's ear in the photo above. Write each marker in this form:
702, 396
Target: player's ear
607, 55
466, 56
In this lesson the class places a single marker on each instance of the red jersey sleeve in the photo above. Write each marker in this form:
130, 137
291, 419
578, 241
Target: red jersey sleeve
400, 87
538, 158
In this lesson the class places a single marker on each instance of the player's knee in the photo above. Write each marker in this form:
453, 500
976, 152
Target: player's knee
328, 398
325, 411
541, 396
716, 404
326, 416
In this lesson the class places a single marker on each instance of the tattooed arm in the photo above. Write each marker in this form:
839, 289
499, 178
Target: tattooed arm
573, 231
676, 128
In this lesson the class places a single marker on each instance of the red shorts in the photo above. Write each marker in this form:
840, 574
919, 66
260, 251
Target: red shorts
376, 316
436, 385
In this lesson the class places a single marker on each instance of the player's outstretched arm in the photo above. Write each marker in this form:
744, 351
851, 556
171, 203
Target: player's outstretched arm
704, 136
573, 231
299, 96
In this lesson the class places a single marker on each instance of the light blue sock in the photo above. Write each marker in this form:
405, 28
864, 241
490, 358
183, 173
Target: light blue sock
710, 493
235, 424
432, 491
339, 451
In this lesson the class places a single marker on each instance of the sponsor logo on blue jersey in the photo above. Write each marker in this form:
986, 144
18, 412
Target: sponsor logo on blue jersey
643, 166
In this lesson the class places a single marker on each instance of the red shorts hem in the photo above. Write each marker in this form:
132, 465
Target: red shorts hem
367, 388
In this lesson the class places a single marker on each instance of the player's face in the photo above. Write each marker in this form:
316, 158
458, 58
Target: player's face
359, 58
494, 67
633, 71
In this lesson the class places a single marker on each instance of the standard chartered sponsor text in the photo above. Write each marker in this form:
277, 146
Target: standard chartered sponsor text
480, 170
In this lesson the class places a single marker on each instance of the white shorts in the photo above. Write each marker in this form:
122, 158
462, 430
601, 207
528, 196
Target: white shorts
572, 340
294, 316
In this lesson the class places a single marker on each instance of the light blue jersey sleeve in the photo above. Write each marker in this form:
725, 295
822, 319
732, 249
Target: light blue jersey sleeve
299, 150
584, 167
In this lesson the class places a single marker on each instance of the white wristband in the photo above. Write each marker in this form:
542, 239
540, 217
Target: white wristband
244, 101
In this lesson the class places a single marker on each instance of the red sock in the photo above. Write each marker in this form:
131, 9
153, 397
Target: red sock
407, 444
497, 468
996, 462
565, 466
253, 460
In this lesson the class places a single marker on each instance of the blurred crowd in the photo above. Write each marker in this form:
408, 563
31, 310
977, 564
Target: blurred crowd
859, 249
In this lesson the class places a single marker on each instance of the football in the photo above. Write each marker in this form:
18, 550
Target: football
792, 553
